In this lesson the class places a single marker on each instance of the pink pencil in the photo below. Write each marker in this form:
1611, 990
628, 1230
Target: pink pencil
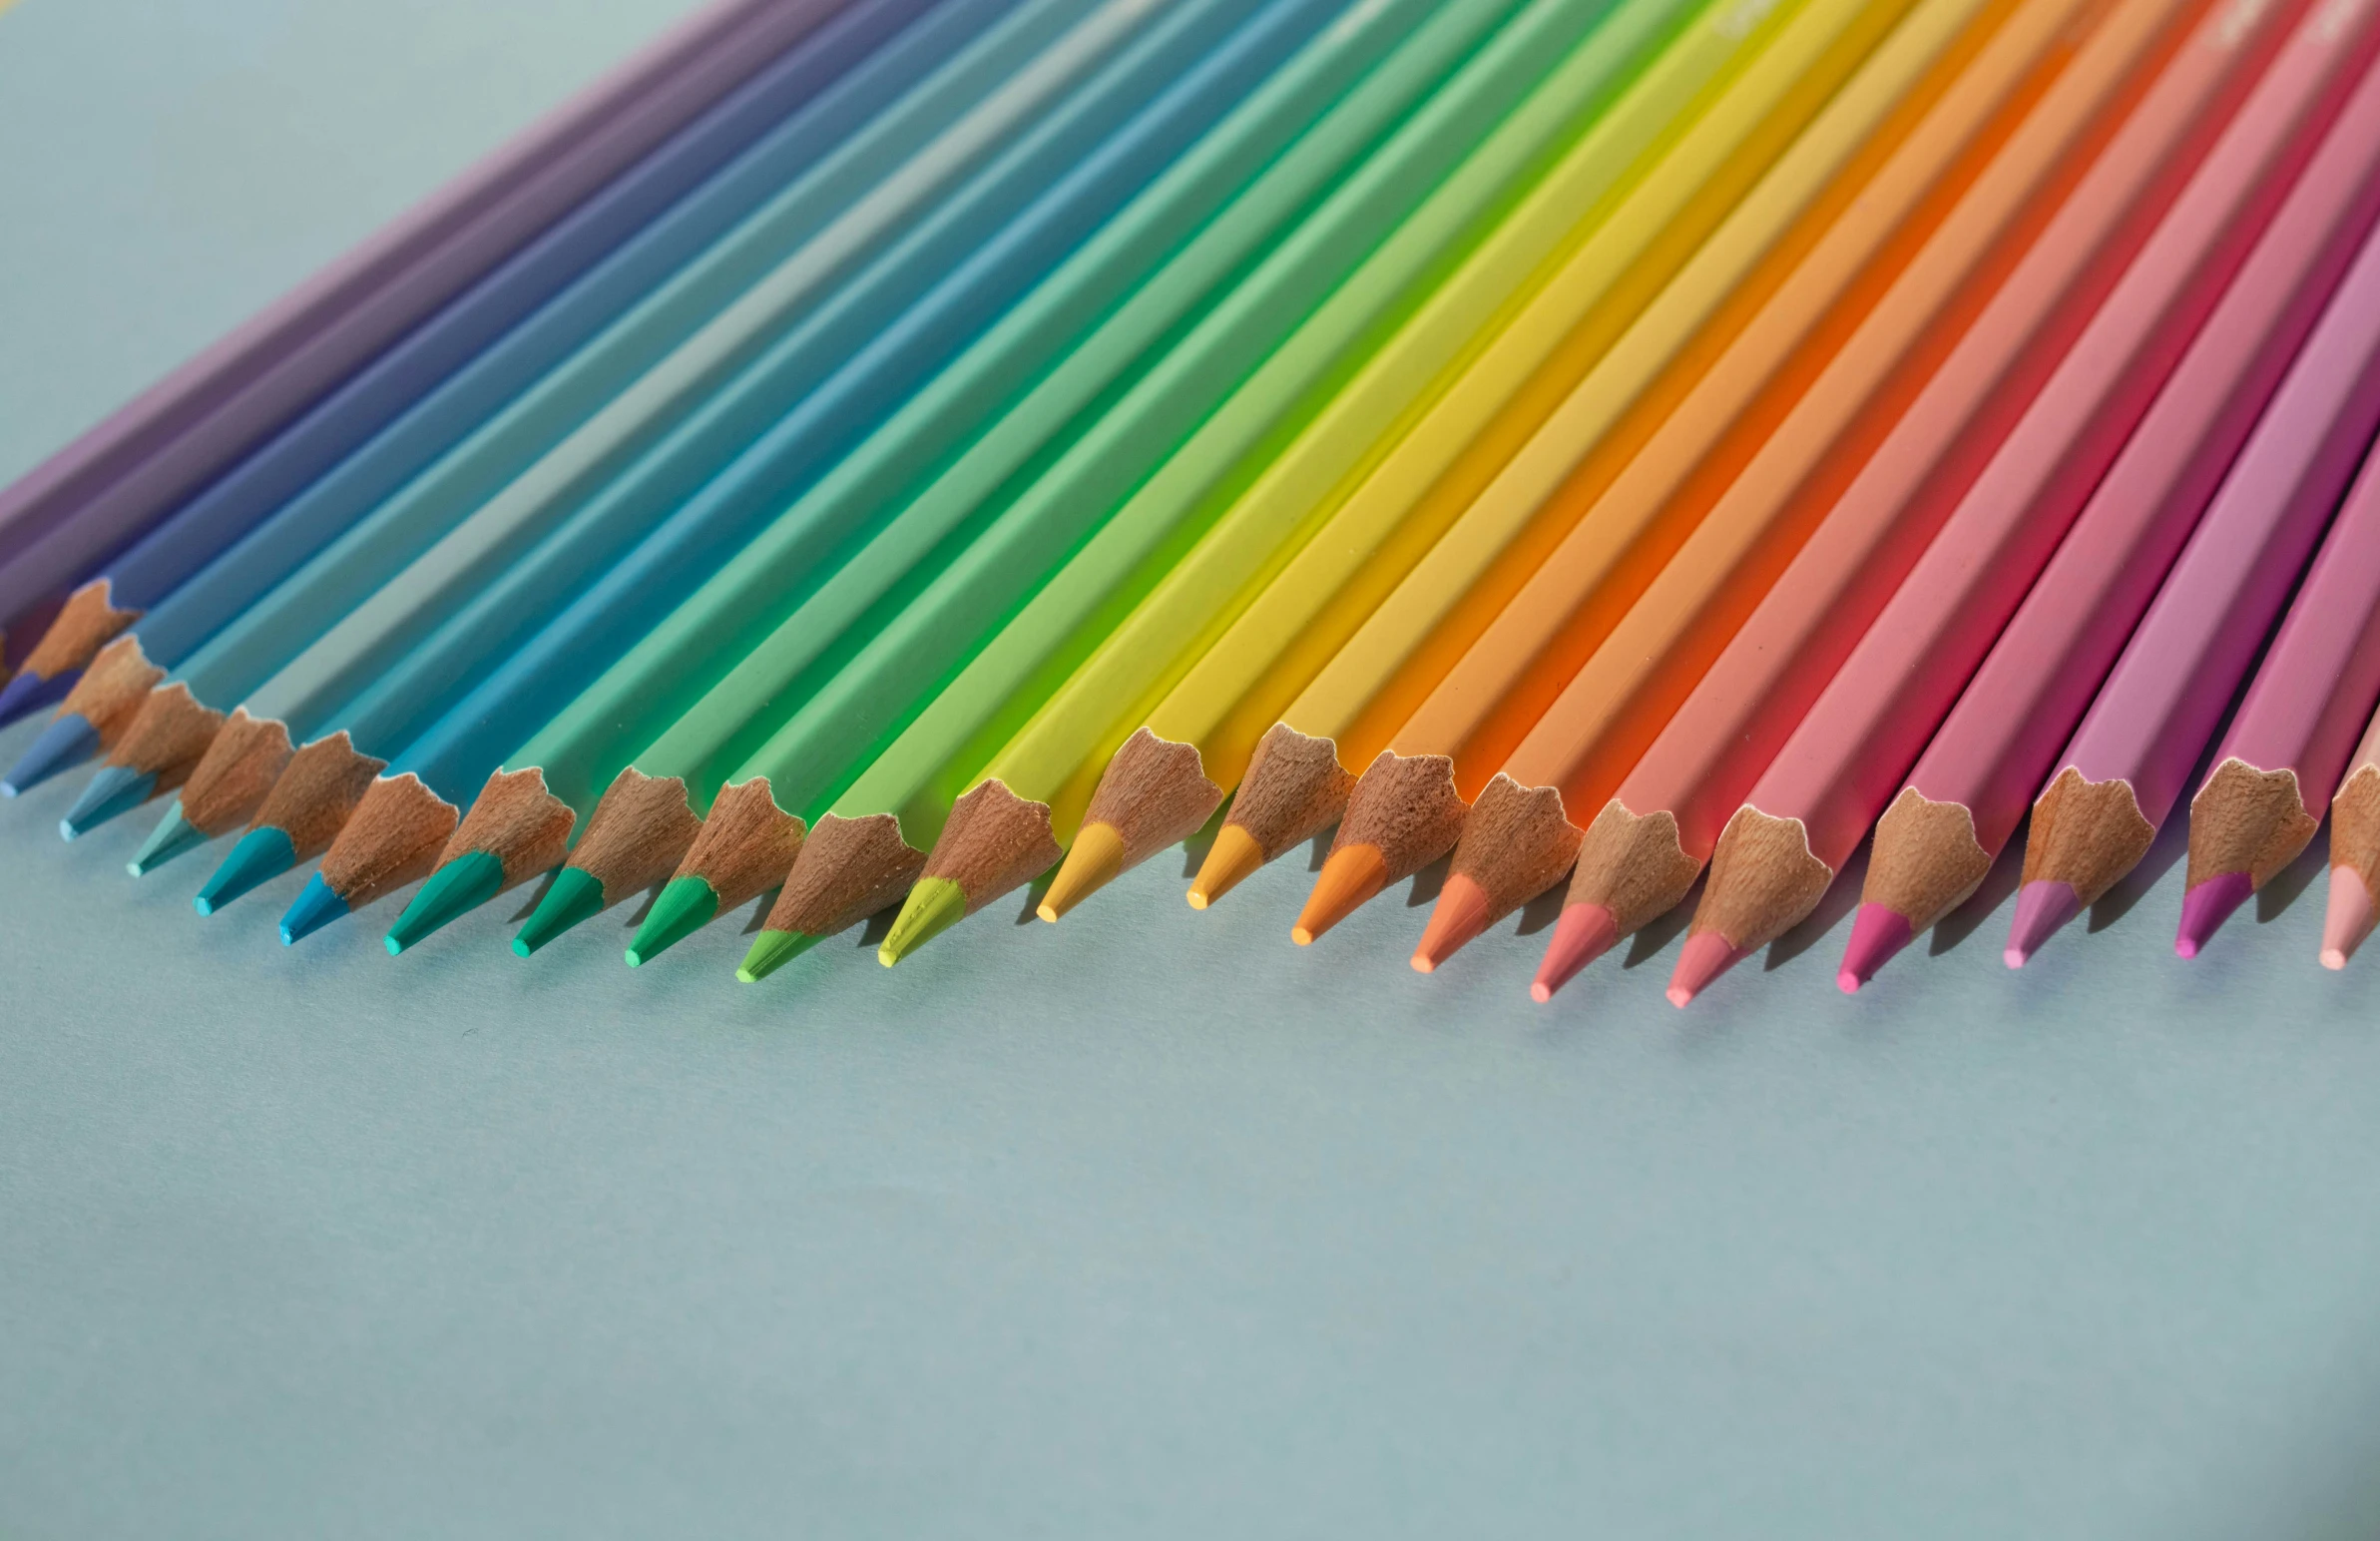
1939, 837
2354, 852
2277, 767
195, 422
2120, 778
1805, 815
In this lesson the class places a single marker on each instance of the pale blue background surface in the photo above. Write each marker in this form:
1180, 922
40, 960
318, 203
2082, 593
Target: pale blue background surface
1146, 1225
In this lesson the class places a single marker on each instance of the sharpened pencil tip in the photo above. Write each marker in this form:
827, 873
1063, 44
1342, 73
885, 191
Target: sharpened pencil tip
771, 952
1350, 880
2348, 918
1091, 863
1231, 860
262, 854
2042, 907
453, 891
1878, 931
575, 896
935, 905
1706, 956
1584, 933
114, 790
2205, 908
685, 905
1460, 914
66, 742
315, 907
173, 836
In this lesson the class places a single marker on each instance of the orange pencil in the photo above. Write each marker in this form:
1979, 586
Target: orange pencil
1809, 809
2092, 171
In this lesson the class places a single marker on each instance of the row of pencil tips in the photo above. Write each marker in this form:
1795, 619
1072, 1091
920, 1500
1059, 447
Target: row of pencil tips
884, 451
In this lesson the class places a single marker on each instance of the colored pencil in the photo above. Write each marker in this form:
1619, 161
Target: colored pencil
784, 574
1052, 765
551, 450
120, 476
1878, 445
355, 620
2126, 764
1181, 74
1811, 806
1322, 596
2354, 853
492, 340
1941, 833
1300, 424
2287, 747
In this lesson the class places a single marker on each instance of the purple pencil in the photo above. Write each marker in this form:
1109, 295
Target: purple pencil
2125, 765
120, 476
2286, 749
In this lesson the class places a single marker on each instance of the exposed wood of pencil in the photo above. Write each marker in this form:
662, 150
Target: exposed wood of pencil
111, 690
2355, 825
2085, 834
168, 736
398, 828
87, 622
847, 871
746, 846
993, 844
1294, 790
2247, 820
1404, 807
236, 772
516, 821
1633, 864
1154, 793
639, 830
1764, 880
317, 791
1515, 843
1926, 860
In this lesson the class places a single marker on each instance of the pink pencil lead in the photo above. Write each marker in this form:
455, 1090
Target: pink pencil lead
2349, 918
1706, 956
2042, 908
2205, 907
1877, 932
1584, 933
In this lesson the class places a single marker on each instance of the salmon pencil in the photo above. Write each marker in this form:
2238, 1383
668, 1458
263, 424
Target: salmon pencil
1961, 805
1782, 848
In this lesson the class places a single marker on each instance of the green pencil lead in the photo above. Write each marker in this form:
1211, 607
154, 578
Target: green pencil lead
773, 950
934, 906
453, 891
173, 837
685, 907
576, 895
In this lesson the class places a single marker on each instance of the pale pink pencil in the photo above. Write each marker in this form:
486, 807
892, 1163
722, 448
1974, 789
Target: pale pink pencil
1781, 850
1939, 837
2120, 775
2281, 759
2354, 853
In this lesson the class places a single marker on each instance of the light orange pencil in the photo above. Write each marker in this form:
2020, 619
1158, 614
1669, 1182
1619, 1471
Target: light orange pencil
1849, 492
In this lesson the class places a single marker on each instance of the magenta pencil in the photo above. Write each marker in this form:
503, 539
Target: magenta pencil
123, 475
2279, 763
2124, 768
1968, 794
1782, 848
